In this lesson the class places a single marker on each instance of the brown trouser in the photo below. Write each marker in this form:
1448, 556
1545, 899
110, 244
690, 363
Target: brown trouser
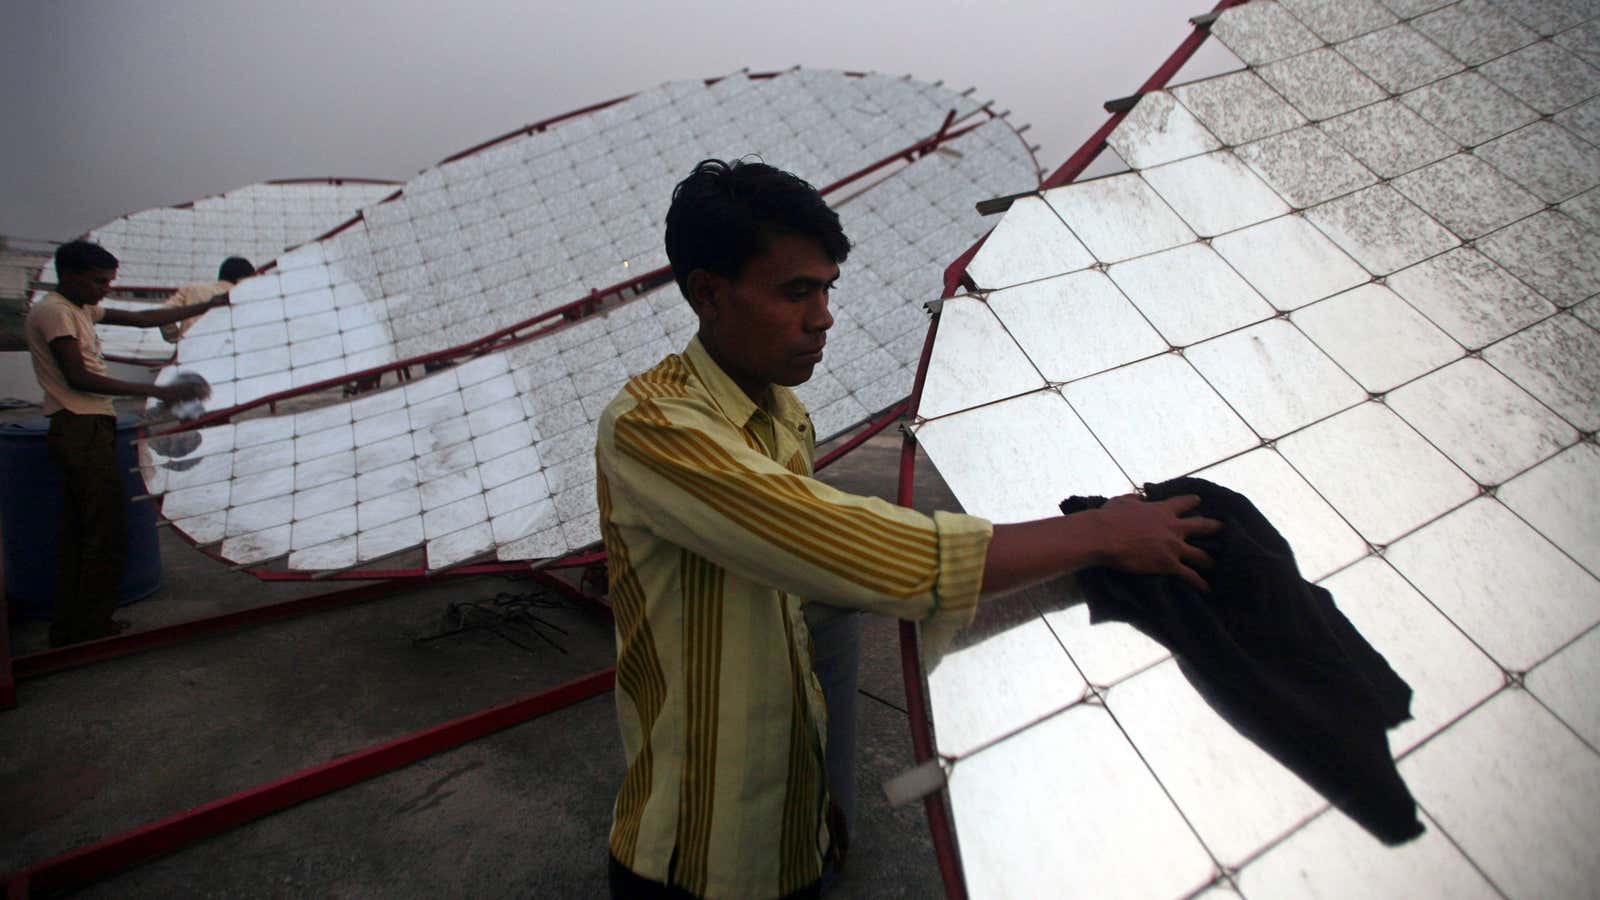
93, 542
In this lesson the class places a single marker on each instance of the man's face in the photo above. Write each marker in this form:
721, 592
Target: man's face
87, 288
768, 325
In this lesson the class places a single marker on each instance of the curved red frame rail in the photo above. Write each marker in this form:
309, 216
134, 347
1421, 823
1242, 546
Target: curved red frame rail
936, 805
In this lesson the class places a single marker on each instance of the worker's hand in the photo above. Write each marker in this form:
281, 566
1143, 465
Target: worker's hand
1152, 537
181, 391
221, 299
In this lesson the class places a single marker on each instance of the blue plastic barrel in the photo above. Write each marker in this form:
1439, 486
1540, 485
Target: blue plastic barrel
30, 516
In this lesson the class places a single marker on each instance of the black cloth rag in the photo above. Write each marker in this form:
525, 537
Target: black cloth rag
1273, 656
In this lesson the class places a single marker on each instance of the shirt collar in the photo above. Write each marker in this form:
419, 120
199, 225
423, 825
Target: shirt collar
732, 400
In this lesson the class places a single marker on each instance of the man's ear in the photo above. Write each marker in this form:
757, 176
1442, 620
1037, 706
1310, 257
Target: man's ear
705, 290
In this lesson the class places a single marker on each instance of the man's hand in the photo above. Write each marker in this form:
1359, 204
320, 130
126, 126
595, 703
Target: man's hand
1127, 533
221, 299
181, 391
1152, 537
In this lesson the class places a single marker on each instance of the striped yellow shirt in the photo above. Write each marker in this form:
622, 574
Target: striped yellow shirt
716, 534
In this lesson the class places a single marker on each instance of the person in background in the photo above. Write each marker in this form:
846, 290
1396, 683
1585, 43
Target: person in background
78, 394
234, 269
717, 536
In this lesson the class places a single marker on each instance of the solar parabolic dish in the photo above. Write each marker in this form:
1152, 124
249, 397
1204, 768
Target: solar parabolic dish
493, 458
1355, 281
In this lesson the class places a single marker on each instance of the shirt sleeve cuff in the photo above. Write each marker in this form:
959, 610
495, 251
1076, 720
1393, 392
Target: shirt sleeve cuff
963, 547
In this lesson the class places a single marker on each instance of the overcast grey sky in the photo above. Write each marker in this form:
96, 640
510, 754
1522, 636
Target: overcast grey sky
114, 107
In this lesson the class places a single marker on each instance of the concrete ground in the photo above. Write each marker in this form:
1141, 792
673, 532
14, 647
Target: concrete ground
94, 751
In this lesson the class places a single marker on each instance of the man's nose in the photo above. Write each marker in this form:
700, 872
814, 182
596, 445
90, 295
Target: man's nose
820, 319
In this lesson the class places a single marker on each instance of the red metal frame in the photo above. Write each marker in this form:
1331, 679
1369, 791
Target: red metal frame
84, 866
45, 662
939, 823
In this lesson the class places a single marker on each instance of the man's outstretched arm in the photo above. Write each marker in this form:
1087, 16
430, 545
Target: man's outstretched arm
69, 357
166, 315
1128, 534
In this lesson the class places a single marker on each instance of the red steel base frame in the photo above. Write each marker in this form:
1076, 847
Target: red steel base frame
936, 805
84, 866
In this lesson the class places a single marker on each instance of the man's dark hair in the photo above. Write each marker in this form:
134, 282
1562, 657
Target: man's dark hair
723, 214
235, 269
82, 256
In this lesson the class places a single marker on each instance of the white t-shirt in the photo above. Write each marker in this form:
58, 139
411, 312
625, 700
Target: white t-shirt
55, 317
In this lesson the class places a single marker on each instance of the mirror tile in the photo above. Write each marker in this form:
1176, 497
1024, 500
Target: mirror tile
1544, 76
1582, 120
1305, 166
1028, 678
1189, 293
513, 524
1239, 107
1546, 159
324, 499
318, 530
1376, 337
1556, 497
1565, 684
332, 556
383, 509
1469, 107
1518, 793
1399, 58
200, 500
1118, 217
1322, 541
1447, 672
459, 546
969, 332
1092, 817
1467, 195
1334, 857
1584, 208
1262, 32
1339, 20
1388, 138
1474, 31
1163, 395
1378, 473
1487, 425
258, 546
1381, 229
1074, 325
1235, 794
1274, 377
1469, 297
1016, 460
1105, 652
1555, 256
1321, 84
384, 540
1557, 361
1158, 130
1215, 193
1289, 261
1518, 596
